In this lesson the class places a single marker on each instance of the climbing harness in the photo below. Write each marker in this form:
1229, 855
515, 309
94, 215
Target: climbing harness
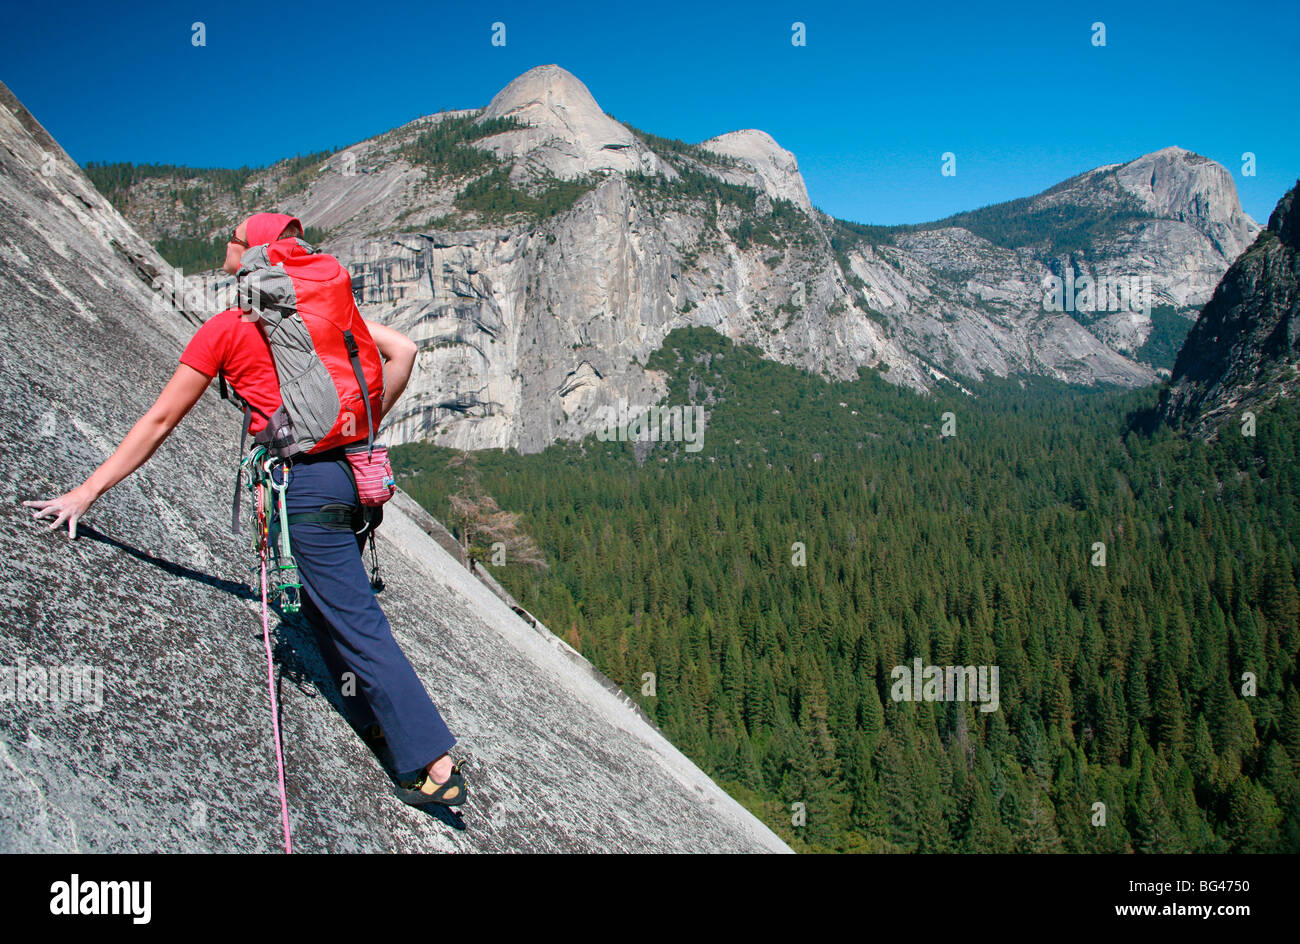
360, 521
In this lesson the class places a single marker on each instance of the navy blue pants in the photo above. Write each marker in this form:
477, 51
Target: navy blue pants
351, 629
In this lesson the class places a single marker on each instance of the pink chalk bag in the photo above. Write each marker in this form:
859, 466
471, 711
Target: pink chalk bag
373, 472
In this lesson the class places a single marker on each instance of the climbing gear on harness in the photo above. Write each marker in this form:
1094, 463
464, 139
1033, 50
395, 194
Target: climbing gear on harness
256, 472
335, 515
376, 581
344, 518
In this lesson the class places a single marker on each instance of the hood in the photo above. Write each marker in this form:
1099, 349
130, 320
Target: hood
303, 261
263, 228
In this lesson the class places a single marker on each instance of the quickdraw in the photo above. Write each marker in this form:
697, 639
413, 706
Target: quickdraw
255, 471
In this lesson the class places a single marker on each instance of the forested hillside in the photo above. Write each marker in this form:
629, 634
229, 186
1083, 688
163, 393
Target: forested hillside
1121, 676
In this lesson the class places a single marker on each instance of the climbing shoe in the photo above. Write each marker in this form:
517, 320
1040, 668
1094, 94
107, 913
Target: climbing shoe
451, 792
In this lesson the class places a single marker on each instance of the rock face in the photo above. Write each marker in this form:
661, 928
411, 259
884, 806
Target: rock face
1244, 351
1174, 184
529, 322
166, 745
1170, 220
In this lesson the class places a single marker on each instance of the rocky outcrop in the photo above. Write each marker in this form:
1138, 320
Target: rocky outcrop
773, 169
1168, 221
1175, 184
568, 135
134, 714
1244, 350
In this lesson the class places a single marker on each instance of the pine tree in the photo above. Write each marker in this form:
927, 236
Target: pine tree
1253, 818
897, 795
1171, 726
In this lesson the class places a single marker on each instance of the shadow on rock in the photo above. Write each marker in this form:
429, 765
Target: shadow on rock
240, 590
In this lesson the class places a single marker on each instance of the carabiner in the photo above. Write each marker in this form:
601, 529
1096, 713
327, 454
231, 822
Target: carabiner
284, 482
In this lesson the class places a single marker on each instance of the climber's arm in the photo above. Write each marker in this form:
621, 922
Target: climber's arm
399, 352
176, 400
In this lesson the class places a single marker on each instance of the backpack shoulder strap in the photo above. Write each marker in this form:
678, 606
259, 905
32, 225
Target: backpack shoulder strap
354, 356
228, 392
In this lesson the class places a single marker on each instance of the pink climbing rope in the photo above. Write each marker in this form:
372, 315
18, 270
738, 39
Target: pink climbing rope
275, 708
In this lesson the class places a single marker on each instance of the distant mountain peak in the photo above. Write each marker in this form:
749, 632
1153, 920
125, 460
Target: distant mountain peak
1174, 183
776, 169
549, 86
569, 134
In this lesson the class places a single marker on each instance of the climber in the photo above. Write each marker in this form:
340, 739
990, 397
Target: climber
394, 710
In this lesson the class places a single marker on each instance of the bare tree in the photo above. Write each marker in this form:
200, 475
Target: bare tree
481, 523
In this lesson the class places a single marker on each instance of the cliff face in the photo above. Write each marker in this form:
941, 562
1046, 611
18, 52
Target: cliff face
1170, 220
1244, 351
1177, 185
530, 321
166, 744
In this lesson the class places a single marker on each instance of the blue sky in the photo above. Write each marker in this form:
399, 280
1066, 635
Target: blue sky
1017, 92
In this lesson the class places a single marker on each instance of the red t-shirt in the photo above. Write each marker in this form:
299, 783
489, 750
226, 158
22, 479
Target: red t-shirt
228, 343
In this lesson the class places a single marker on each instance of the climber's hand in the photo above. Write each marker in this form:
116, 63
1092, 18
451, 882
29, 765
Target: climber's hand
69, 506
